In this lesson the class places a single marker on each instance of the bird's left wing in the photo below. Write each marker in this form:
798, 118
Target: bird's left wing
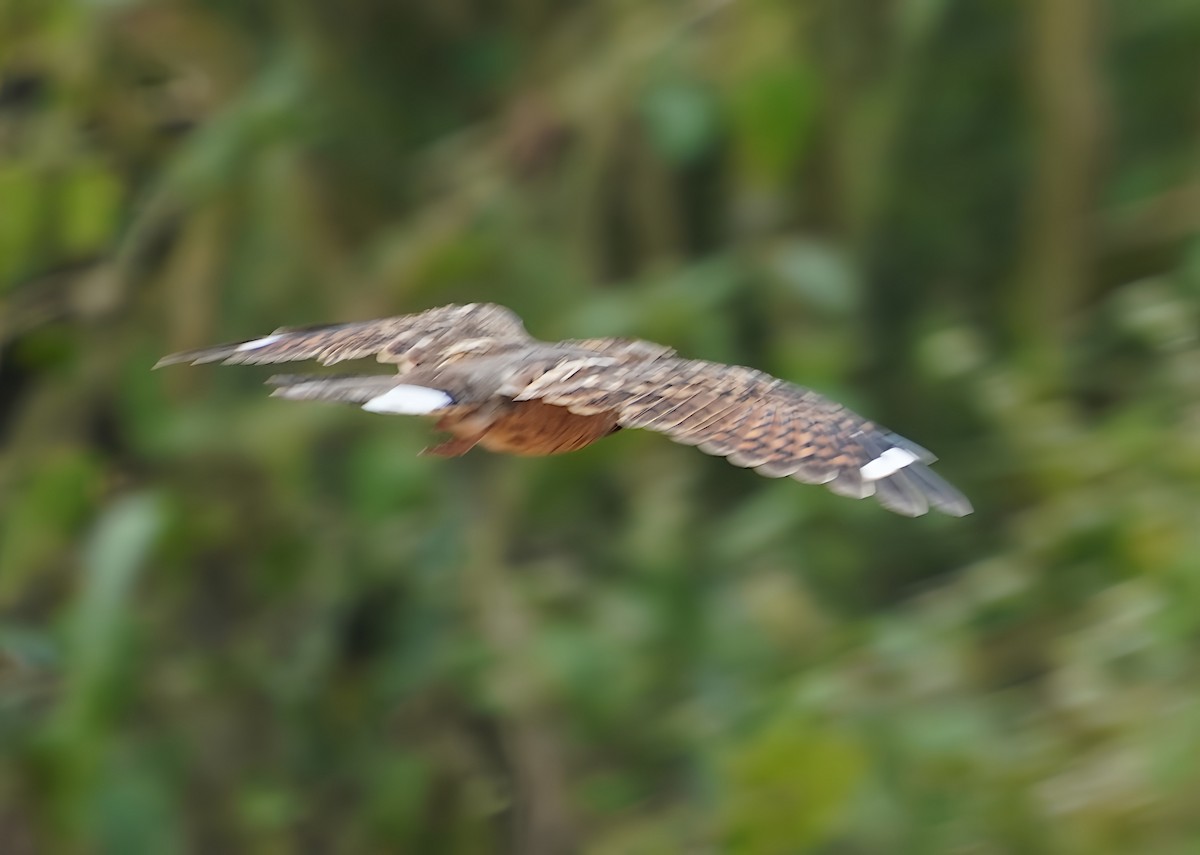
754, 420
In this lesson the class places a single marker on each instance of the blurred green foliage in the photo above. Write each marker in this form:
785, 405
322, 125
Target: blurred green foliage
232, 624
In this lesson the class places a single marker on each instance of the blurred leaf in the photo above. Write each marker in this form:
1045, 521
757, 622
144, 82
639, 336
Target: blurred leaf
91, 209
817, 273
680, 117
788, 786
398, 793
771, 111
20, 188
134, 813
45, 516
114, 555
27, 648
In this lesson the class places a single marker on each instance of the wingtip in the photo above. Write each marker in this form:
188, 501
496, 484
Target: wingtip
961, 507
942, 495
288, 386
190, 357
195, 357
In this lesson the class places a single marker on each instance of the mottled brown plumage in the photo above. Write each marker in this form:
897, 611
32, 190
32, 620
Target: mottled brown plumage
489, 383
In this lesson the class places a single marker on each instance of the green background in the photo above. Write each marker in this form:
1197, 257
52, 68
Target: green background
235, 624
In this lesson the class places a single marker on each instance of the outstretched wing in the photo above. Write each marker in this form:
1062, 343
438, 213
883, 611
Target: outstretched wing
757, 421
389, 339
620, 348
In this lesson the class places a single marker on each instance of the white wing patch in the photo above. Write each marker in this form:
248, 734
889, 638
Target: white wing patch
259, 342
888, 463
408, 400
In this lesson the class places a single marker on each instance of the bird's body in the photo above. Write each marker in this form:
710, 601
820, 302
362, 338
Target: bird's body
525, 428
489, 383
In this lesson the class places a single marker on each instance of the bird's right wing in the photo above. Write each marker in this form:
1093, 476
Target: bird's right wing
388, 339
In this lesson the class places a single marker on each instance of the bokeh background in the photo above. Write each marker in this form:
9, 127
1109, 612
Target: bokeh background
234, 624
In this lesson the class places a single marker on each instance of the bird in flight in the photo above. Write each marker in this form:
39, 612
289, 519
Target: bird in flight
488, 382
